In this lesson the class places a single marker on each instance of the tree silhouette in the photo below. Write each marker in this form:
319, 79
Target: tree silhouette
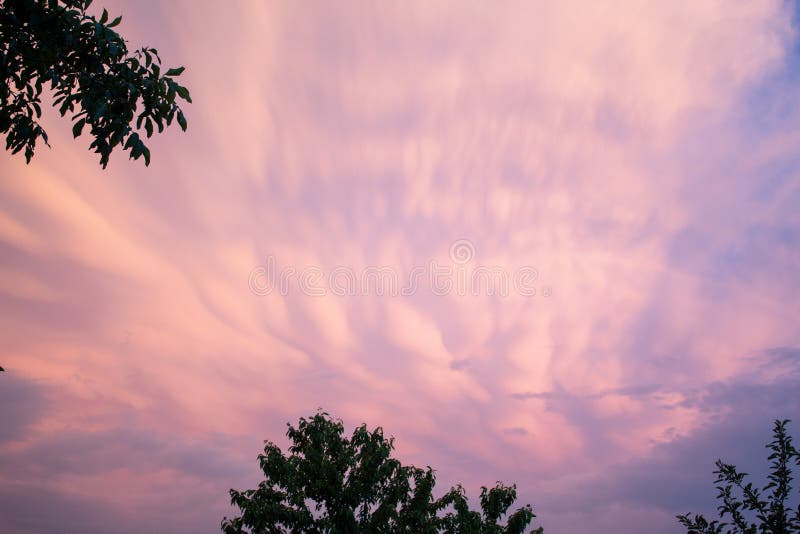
88, 66
748, 510
330, 483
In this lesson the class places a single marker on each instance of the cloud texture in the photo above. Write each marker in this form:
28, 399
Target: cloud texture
641, 156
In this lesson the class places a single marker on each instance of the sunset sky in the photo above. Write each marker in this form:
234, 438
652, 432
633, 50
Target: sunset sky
640, 161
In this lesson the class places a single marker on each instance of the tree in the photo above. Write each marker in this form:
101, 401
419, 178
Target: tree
745, 509
330, 483
88, 66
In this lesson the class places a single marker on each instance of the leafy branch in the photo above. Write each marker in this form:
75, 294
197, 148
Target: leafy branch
91, 73
749, 509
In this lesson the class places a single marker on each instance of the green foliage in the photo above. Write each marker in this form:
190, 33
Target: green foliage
88, 66
747, 510
330, 483
495, 503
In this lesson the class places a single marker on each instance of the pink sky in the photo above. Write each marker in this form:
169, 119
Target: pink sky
641, 156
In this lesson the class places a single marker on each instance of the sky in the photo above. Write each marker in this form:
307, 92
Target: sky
555, 244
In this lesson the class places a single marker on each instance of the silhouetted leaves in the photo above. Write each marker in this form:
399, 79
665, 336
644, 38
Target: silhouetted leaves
745, 509
92, 75
328, 483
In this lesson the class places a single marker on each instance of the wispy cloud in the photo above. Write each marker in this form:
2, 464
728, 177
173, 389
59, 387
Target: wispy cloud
641, 156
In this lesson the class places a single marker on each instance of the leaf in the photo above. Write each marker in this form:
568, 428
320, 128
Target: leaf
115, 22
148, 125
175, 72
184, 93
182, 120
132, 140
104, 18
78, 128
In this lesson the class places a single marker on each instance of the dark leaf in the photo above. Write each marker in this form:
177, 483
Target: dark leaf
183, 93
77, 128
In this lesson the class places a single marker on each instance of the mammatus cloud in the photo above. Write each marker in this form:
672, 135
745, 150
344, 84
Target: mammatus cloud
639, 156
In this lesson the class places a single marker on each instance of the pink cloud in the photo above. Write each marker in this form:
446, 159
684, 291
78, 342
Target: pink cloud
608, 146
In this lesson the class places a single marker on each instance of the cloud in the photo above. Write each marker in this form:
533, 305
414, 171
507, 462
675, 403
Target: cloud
23, 402
640, 156
675, 475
